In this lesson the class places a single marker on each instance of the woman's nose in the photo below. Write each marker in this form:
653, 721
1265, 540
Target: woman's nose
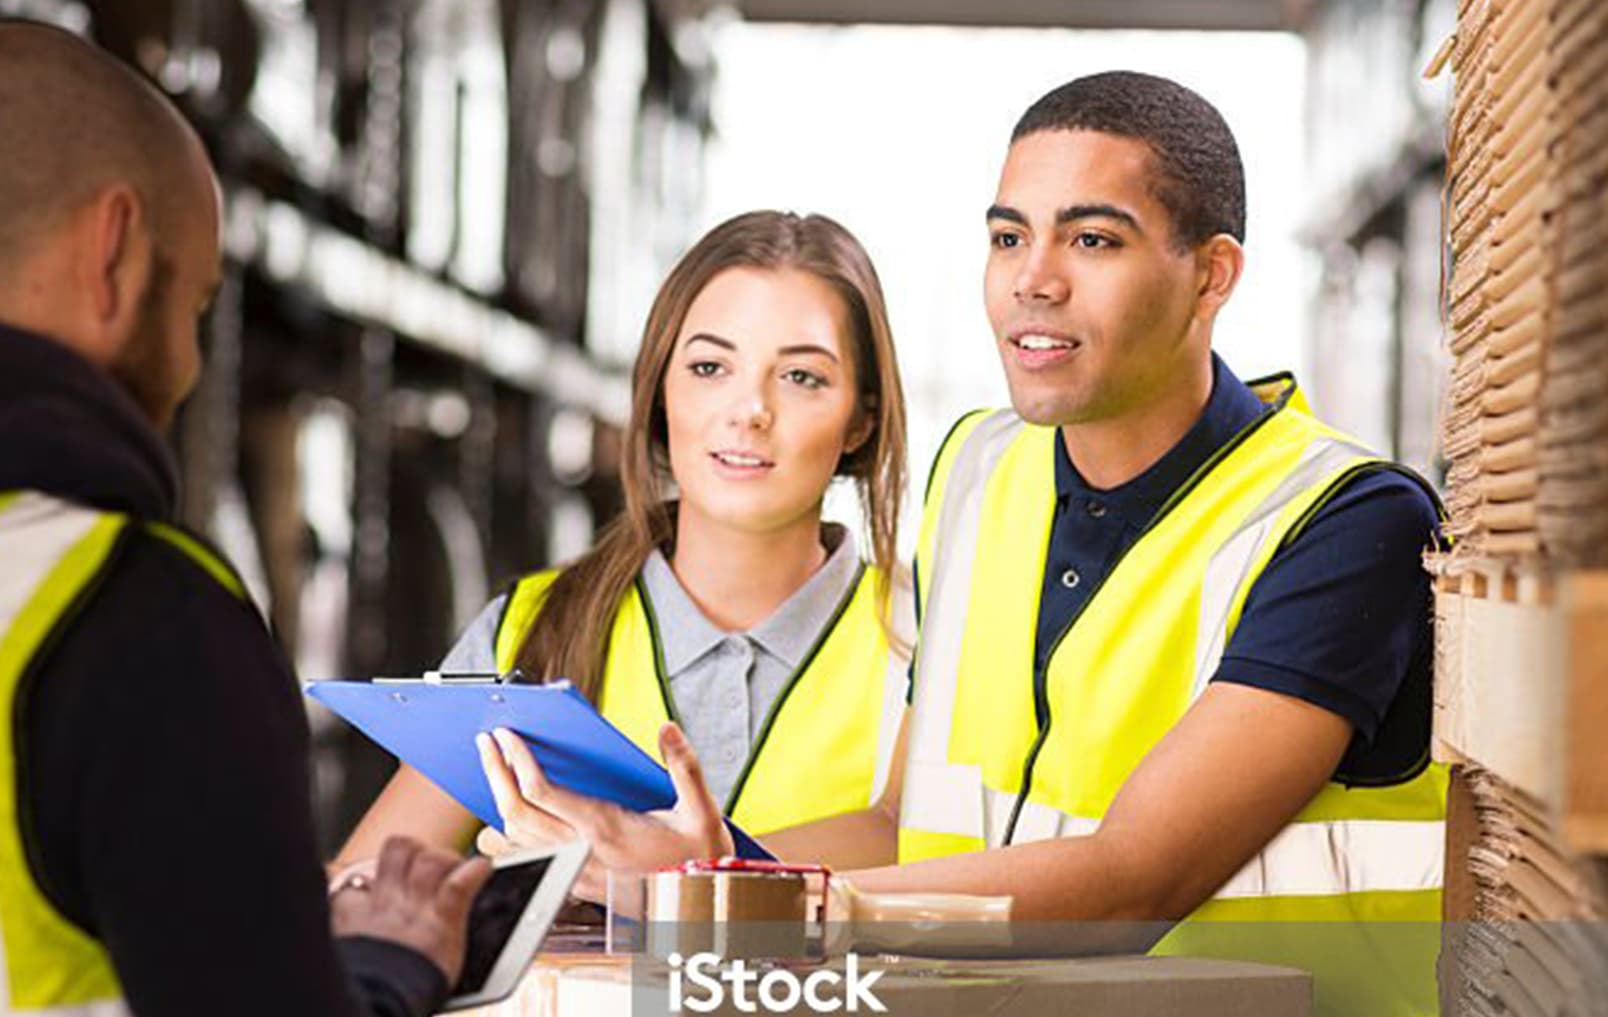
752, 413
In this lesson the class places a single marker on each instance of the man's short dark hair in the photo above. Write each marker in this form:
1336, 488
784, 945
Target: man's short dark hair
1198, 175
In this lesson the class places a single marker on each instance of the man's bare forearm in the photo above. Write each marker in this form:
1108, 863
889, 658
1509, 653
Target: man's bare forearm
854, 840
1068, 879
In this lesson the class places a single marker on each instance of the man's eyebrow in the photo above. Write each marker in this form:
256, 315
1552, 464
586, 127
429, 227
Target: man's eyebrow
1007, 213
1072, 213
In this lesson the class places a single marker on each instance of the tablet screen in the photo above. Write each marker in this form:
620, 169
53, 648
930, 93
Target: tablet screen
493, 918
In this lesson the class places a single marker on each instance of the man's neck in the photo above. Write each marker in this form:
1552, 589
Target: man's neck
739, 579
1109, 453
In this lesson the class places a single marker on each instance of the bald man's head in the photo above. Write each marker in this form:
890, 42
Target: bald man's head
73, 119
108, 213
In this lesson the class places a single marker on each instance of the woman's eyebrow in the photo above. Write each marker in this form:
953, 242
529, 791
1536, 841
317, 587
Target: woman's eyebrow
788, 351
725, 344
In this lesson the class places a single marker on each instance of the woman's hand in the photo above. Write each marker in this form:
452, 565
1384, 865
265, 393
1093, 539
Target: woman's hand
537, 812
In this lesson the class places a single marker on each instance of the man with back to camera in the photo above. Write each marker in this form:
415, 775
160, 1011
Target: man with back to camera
161, 859
1174, 657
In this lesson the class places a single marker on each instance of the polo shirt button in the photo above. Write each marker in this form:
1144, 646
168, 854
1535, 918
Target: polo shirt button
1070, 579
1096, 509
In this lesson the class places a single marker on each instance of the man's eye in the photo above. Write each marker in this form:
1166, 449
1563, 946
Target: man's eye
1006, 240
1094, 241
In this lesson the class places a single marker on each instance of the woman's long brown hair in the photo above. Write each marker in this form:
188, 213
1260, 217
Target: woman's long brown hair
570, 637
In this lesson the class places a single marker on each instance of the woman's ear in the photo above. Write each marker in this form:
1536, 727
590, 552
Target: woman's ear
862, 426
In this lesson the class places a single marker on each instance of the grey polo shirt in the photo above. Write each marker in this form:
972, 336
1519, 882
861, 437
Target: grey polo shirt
723, 684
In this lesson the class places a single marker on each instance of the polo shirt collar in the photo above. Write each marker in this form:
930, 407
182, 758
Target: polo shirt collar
686, 634
1230, 408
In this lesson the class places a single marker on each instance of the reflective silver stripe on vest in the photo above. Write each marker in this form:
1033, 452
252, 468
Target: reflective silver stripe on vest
1305, 859
1231, 563
895, 678
36, 532
99, 1008
1344, 856
953, 807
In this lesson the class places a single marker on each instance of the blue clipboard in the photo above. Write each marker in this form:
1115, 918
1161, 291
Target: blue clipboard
431, 726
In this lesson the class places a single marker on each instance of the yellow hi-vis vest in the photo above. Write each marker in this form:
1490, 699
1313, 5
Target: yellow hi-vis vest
51, 555
827, 743
983, 772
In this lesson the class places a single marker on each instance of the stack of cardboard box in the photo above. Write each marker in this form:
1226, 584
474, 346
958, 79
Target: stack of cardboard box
1521, 671
1536, 942
1573, 501
1503, 194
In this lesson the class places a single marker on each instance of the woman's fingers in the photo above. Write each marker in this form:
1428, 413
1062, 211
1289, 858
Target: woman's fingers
581, 813
693, 799
534, 811
504, 789
532, 782
492, 843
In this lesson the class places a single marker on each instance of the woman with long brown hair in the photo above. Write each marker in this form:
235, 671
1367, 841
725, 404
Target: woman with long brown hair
766, 370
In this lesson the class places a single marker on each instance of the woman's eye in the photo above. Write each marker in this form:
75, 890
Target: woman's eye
808, 379
704, 368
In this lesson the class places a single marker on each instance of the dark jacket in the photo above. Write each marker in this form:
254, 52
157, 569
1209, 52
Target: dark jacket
162, 745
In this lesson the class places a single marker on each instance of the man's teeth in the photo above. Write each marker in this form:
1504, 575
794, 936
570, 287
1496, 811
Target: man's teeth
1043, 342
734, 459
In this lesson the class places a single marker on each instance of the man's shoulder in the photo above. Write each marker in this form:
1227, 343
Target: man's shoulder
165, 558
1387, 501
156, 591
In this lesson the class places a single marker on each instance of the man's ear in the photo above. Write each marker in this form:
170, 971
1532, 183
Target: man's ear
1219, 263
116, 261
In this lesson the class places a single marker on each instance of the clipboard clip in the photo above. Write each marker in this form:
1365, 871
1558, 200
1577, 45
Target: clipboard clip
512, 677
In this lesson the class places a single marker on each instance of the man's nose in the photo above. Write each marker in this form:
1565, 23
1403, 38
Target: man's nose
1041, 279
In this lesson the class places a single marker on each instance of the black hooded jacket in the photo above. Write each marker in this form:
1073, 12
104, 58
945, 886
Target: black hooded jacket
162, 746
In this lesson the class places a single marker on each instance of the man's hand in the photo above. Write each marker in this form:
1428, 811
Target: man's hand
537, 812
418, 897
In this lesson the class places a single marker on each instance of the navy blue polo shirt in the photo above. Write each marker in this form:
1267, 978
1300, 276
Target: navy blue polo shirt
1340, 618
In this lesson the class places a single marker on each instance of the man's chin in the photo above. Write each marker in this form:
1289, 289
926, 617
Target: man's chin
1049, 409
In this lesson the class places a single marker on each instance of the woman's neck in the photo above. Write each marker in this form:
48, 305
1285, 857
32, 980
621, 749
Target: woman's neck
739, 579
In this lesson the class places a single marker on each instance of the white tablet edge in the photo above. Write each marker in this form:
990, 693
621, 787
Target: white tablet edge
534, 923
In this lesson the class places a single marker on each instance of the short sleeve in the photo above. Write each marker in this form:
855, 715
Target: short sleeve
1342, 619
476, 648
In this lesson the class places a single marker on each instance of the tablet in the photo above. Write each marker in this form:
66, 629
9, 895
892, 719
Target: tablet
510, 918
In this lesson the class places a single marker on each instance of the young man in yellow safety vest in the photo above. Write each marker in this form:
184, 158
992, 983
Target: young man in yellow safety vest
1174, 660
